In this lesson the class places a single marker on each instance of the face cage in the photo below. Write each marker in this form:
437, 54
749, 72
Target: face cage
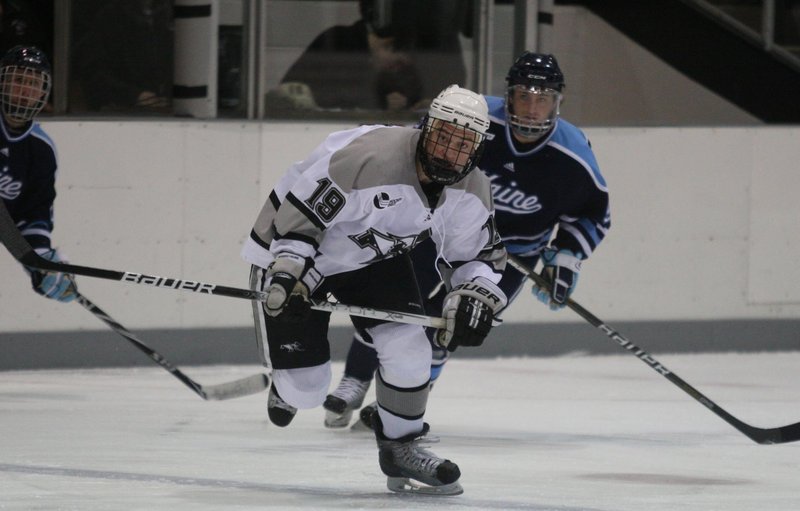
528, 128
23, 92
439, 170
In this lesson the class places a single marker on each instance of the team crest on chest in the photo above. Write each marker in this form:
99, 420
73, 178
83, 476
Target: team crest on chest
386, 245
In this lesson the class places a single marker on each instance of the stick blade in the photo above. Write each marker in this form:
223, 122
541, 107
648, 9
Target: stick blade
781, 435
237, 388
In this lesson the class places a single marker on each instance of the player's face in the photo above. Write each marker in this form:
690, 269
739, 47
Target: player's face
25, 86
450, 144
536, 105
23, 94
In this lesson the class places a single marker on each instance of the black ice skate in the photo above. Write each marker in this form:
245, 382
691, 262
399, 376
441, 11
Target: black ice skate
340, 404
412, 469
280, 412
364, 422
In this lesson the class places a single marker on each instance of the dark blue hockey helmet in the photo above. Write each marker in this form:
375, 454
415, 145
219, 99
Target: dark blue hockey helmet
25, 83
28, 57
533, 95
536, 70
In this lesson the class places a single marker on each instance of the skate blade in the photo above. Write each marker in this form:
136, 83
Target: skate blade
337, 421
406, 485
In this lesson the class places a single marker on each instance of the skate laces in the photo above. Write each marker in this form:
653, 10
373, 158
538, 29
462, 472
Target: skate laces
351, 390
418, 458
275, 401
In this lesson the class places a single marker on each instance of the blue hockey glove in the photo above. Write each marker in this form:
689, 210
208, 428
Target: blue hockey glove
561, 270
468, 312
54, 285
287, 296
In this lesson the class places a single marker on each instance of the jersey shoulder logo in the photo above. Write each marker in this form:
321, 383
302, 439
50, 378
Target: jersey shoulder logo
383, 201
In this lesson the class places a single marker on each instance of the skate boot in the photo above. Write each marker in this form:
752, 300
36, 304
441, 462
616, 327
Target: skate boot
340, 404
280, 412
364, 422
413, 469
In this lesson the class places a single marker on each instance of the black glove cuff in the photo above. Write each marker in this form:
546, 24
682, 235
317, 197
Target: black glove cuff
285, 280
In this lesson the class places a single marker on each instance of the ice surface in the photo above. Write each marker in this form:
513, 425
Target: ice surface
568, 434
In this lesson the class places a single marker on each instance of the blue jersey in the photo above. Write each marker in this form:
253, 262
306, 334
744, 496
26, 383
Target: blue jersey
549, 189
27, 181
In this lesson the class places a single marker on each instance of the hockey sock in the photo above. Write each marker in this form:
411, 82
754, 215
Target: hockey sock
362, 360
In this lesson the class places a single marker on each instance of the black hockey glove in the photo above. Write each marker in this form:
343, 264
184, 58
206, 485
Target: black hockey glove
287, 297
561, 270
469, 311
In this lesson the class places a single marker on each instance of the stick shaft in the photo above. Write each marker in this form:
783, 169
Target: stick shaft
24, 253
237, 388
789, 433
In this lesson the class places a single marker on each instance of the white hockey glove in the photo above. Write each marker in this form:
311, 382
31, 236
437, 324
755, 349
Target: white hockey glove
287, 296
561, 270
53, 285
468, 311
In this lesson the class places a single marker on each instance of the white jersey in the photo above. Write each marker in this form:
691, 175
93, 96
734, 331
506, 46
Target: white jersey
357, 200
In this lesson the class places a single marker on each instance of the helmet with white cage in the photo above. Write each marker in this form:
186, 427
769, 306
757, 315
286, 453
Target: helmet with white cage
533, 97
25, 83
453, 135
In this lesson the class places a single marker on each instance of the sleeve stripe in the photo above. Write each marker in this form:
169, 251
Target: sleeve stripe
273, 198
298, 237
258, 241
580, 238
596, 177
299, 206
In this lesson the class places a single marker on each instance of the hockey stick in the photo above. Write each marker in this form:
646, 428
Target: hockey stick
25, 254
780, 435
237, 388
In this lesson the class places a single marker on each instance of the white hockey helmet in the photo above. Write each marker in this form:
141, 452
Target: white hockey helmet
453, 135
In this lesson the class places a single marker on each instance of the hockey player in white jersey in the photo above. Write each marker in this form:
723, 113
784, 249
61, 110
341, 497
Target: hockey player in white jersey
341, 223
551, 204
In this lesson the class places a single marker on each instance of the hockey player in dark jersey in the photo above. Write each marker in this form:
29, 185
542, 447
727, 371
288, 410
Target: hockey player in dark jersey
551, 204
341, 223
28, 161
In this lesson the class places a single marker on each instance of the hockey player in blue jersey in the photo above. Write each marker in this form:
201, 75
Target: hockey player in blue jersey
28, 161
551, 205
